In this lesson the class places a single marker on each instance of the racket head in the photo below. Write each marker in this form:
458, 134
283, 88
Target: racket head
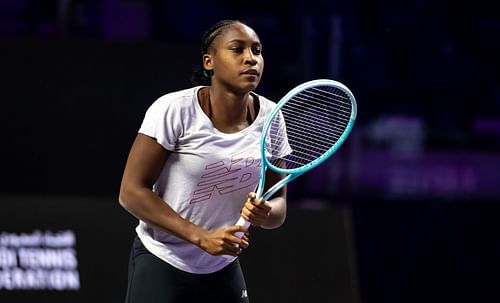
307, 126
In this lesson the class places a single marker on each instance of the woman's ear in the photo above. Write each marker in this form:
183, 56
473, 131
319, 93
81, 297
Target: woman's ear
207, 62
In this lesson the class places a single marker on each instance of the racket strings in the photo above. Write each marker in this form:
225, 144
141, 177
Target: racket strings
342, 103
336, 131
309, 125
303, 107
312, 138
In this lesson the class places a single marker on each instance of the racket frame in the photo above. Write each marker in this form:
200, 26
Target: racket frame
296, 172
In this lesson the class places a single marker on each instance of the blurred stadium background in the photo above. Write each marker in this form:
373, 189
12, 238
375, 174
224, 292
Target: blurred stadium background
406, 212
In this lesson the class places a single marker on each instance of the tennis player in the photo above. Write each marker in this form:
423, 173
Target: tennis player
192, 171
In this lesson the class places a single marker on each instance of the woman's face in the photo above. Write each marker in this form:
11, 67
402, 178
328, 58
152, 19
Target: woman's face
236, 59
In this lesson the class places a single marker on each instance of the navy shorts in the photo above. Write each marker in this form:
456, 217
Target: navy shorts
152, 280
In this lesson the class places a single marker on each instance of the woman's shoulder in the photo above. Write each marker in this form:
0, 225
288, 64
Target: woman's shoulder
176, 99
179, 95
265, 103
262, 98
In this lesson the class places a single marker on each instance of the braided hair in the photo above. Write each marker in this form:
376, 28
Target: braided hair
200, 75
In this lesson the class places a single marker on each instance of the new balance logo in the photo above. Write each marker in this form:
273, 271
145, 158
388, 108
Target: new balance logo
228, 175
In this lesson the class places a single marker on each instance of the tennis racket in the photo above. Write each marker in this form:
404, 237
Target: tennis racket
306, 127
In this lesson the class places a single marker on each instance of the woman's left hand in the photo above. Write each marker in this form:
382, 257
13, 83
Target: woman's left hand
256, 211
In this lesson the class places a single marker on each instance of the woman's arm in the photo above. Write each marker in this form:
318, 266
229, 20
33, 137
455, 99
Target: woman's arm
144, 165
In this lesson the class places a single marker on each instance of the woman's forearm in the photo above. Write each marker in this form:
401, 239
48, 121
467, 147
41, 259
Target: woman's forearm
150, 208
277, 215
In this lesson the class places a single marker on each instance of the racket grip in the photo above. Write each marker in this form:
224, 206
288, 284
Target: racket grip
242, 222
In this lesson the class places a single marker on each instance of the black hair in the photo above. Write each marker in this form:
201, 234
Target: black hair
200, 75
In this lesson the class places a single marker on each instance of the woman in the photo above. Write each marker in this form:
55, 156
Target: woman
191, 173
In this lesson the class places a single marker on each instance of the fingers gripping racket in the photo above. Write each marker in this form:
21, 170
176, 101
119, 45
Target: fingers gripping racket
306, 127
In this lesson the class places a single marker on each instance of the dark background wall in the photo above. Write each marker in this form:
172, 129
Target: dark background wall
405, 212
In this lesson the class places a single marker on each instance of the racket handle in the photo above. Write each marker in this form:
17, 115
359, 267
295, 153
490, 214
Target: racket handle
242, 222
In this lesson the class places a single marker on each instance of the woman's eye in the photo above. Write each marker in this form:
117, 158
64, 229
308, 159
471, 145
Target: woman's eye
237, 49
256, 51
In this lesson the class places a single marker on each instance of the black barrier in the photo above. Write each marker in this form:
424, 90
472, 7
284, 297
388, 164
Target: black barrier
309, 259
75, 249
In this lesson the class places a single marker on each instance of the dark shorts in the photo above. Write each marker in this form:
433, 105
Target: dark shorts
151, 279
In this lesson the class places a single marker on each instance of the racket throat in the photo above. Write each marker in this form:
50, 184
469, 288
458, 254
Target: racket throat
271, 191
262, 181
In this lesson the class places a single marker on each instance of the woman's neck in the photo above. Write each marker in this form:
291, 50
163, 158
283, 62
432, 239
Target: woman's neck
229, 112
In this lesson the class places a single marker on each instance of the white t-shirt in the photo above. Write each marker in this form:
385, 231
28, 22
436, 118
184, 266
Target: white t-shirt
206, 177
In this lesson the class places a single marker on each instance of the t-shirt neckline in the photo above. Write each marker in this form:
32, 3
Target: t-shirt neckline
215, 129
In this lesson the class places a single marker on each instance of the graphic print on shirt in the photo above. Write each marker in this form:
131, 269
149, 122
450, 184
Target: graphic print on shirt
225, 176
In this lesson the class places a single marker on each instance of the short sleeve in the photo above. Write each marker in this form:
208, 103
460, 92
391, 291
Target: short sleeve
162, 122
277, 144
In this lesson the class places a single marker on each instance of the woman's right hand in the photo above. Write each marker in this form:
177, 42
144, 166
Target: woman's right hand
223, 241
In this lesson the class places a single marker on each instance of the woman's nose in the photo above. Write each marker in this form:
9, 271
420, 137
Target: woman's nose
250, 57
